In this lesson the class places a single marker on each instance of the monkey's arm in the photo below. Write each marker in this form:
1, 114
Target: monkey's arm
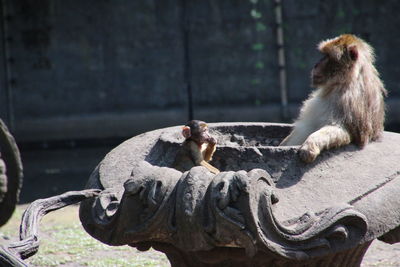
287, 140
327, 137
209, 151
198, 159
298, 135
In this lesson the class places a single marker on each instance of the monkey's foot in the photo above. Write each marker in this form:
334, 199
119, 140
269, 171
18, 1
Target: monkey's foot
308, 152
216, 171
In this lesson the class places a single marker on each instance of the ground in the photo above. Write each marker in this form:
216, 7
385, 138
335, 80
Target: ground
65, 243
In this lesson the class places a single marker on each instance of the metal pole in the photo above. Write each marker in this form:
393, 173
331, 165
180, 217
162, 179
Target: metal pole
281, 60
8, 74
186, 59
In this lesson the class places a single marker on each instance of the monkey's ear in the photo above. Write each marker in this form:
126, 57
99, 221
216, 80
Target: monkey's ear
353, 52
186, 132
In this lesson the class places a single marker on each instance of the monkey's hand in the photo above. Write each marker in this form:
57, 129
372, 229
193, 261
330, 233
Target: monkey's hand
329, 136
308, 152
209, 151
211, 140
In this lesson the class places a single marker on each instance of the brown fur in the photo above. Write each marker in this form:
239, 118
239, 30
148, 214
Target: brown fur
349, 97
197, 149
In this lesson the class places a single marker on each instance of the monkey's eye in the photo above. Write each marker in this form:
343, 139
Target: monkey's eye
203, 126
325, 57
322, 60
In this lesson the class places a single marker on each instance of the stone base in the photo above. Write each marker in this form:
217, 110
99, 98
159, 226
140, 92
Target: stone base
235, 257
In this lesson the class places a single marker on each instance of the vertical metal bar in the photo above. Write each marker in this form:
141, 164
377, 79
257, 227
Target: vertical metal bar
7, 67
281, 60
186, 59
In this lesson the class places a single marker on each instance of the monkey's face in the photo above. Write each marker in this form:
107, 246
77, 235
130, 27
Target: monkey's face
198, 131
327, 71
340, 55
203, 134
318, 76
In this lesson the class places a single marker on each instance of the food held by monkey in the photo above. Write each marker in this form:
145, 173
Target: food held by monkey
348, 103
197, 149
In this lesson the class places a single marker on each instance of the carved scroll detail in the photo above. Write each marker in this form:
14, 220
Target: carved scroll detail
199, 211
312, 234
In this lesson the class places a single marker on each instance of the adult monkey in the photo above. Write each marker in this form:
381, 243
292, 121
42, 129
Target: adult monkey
347, 105
197, 149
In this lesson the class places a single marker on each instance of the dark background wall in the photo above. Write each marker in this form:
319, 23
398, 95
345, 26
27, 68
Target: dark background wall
78, 77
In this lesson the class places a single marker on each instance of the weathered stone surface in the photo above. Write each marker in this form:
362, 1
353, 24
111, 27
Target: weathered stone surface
266, 207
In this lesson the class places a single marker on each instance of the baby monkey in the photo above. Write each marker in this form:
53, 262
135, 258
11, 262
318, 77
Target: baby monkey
197, 149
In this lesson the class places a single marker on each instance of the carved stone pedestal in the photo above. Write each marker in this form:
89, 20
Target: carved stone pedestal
232, 257
266, 207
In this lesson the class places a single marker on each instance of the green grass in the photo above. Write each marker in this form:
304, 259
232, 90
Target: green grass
64, 242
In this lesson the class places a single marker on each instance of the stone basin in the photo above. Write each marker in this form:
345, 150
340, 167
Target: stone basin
265, 208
